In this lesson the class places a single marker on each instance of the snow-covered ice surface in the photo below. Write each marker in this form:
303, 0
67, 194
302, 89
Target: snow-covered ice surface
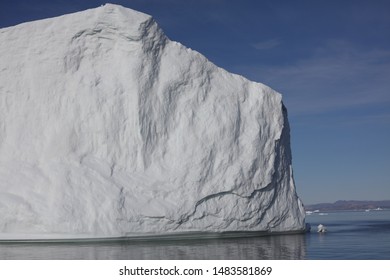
108, 128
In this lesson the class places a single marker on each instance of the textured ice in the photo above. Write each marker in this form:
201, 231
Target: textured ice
108, 128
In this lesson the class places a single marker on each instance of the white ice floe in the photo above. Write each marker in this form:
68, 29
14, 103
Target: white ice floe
321, 228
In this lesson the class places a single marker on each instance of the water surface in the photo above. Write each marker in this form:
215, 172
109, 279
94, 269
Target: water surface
351, 235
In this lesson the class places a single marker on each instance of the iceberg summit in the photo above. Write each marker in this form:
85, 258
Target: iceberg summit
109, 129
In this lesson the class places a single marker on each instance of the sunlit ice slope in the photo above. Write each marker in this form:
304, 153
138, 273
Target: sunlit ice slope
108, 128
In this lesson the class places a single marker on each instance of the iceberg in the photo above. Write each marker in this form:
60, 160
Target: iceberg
110, 129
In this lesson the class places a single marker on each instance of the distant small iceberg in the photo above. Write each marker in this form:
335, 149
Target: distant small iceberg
371, 209
321, 228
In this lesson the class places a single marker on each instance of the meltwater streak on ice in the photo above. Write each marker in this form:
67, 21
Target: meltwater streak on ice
109, 129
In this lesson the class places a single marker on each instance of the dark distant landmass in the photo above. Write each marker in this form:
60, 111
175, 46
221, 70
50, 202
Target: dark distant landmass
349, 205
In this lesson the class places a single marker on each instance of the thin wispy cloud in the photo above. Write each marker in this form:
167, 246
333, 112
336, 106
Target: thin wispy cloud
383, 118
337, 76
266, 45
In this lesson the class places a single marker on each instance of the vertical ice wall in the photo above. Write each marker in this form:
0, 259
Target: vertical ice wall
108, 128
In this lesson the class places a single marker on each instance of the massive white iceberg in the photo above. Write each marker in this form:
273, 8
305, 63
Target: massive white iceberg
108, 128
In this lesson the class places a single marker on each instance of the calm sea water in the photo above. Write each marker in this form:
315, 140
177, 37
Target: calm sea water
351, 235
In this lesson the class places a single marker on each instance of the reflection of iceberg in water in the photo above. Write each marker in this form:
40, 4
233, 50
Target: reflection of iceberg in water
267, 247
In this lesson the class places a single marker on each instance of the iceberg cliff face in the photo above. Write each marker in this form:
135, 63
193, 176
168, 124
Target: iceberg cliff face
108, 128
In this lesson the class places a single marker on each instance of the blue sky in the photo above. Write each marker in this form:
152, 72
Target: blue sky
329, 59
